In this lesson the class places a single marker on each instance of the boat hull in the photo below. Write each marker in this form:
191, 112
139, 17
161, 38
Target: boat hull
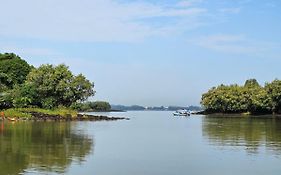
176, 114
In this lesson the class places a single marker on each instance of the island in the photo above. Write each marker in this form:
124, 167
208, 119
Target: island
49, 92
250, 98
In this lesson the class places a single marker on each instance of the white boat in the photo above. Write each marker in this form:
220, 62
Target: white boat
182, 112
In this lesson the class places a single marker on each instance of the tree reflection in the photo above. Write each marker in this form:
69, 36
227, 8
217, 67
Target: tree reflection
248, 132
45, 146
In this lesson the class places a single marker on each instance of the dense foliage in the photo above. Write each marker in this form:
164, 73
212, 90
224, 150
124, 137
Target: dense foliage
48, 86
13, 70
51, 86
92, 106
251, 98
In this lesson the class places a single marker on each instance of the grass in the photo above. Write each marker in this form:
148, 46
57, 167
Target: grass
25, 112
15, 113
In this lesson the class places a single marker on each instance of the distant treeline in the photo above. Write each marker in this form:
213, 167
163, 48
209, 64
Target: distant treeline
160, 108
251, 98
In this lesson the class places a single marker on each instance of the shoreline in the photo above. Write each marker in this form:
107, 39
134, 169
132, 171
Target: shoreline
28, 114
101, 111
235, 114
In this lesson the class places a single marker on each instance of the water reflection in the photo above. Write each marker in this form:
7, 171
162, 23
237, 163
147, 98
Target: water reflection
41, 146
249, 133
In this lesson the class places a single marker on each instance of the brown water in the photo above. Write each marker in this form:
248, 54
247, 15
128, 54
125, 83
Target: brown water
151, 143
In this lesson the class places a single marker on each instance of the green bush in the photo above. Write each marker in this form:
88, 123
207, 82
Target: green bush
251, 98
16, 113
13, 69
92, 106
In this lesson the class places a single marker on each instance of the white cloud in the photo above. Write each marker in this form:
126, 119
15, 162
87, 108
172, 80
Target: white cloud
91, 20
237, 44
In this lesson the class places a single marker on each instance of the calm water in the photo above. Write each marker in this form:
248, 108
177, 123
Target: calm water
151, 143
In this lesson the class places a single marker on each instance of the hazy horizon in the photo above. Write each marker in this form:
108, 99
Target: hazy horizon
150, 53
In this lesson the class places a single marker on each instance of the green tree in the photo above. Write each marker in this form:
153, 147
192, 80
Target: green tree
258, 100
251, 98
13, 70
225, 99
92, 106
25, 95
251, 83
100, 106
5, 100
273, 89
51, 86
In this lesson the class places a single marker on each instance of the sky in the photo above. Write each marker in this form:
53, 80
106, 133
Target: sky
148, 52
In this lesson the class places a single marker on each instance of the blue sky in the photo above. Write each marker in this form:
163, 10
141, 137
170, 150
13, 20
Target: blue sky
156, 52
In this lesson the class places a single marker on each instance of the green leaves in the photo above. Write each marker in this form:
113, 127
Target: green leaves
48, 86
25, 95
248, 98
274, 92
251, 83
92, 106
100, 106
13, 70
54, 86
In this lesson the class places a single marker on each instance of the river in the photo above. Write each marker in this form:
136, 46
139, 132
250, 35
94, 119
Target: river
150, 143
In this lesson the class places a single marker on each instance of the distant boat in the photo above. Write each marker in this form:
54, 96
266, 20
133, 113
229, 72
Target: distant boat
182, 112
